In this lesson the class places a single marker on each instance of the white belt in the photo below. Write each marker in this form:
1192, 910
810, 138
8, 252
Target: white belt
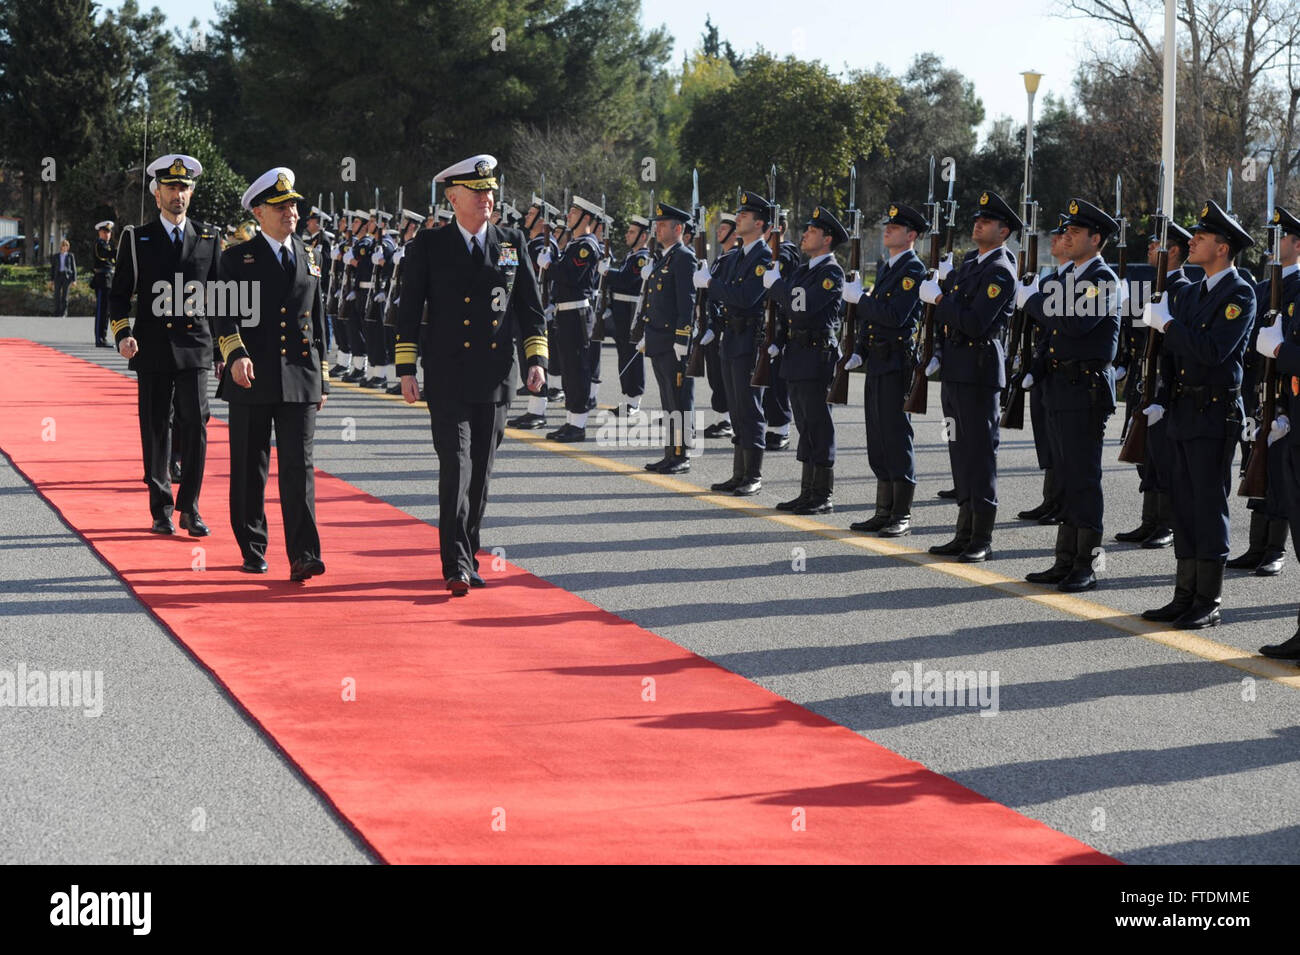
366, 284
569, 306
623, 297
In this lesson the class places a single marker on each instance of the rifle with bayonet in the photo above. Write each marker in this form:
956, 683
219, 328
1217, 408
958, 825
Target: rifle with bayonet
695, 367
394, 286
639, 320
1255, 481
918, 395
378, 246
1021, 345
1134, 448
838, 393
762, 376
602, 288
346, 242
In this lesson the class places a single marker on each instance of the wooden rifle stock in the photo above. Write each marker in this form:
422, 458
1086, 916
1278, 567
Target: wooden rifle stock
917, 401
695, 366
1134, 449
1013, 412
762, 376
1255, 481
839, 390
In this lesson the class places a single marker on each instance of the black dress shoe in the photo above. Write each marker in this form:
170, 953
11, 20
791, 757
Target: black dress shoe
375, 382
194, 525
528, 421
338, 371
555, 394
458, 584
776, 441
1287, 650
677, 465
253, 565
625, 411
949, 495
305, 567
475, 580
720, 429
568, 433
355, 375
163, 526
1160, 537
658, 466
394, 389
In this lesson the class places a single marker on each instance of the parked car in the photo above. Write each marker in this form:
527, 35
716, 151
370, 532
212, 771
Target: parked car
11, 249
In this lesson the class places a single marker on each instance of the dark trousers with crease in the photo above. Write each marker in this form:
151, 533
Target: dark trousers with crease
465, 436
889, 429
250, 463
972, 413
1200, 496
187, 389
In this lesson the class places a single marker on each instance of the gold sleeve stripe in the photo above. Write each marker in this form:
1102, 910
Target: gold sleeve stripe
325, 370
229, 344
120, 324
535, 347
404, 353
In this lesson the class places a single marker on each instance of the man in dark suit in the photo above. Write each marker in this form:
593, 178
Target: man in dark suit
102, 278
63, 272
276, 374
479, 285
169, 351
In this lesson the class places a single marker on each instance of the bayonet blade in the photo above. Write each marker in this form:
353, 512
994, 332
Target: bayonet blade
695, 190
853, 188
930, 198
1119, 196
1268, 211
771, 185
1228, 197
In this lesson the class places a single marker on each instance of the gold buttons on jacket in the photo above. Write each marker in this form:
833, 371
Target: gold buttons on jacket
494, 344
467, 344
467, 321
495, 323
283, 309
188, 325
169, 324
282, 324
281, 338
282, 351
466, 299
305, 314
304, 354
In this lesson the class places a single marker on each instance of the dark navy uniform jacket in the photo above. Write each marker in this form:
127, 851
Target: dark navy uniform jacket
322, 250
1288, 366
625, 285
737, 287
717, 269
887, 318
145, 256
1047, 286
809, 333
468, 344
670, 301
102, 276
1206, 342
1253, 362
287, 345
978, 300
573, 272
1082, 330
1175, 282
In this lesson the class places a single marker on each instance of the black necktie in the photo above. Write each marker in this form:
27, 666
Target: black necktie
177, 244
478, 253
285, 261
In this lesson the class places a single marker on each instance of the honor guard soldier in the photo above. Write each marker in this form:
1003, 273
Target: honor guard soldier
735, 286
887, 323
321, 243
806, 340
537, 228
276, 375
723, 234
974, 304
624, 294
357, 259
461, 272
1266, 552
574, 275
1206, 331
1281, 342
1082, 329
373, 278
670, 311
170, 353
101, 279
335, 306
1156, 529
776, 396
412, 222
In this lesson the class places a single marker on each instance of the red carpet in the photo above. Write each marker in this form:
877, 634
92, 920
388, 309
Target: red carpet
521, 703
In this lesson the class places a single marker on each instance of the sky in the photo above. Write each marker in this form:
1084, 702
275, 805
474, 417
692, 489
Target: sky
860, 35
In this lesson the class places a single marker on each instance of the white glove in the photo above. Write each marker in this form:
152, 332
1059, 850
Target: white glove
932, 368
702, 276
1027, 382
397, 256
348, 257
930, 292
1156, 314
380, 296
1120, 372
640, 346
607, 314
543, 259
379, 260
549, 312
1270, 336
336, 254
773, 350
945, 266
851, 292
351, 296
602, 266
647, 270
772, 275
1154, 413
679, 350
1280, 428
707, 337
1025, 292
855, 361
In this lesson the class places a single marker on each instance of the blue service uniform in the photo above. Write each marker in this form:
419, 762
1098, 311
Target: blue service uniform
624, 293
887, 323
1039, 421
101, 281
1274, 504
1155, 472
377, 351
670, 310
574, 279
978, 299
1206, 340
362, 269
737, 289
1081, 328
713, 372
1288, 373
807, 335
776, 396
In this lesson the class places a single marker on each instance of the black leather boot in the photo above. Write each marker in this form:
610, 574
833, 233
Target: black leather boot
1184, 592
1150, 504
752, 482
819, 494
900, 521
737, 472
961, 538
1034, 513
1286, 650
1066, 545
1270, 565
1163, 535
805, 484
1204, 611
1258, 537
884, 509
1082, 576
980, 547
